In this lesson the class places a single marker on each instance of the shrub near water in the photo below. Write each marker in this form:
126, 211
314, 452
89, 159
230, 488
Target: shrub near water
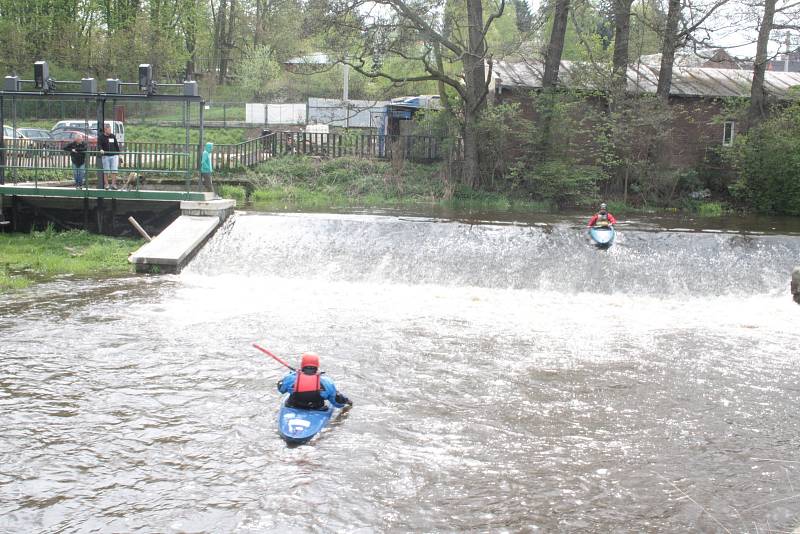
768, 157
25, 258
307, 180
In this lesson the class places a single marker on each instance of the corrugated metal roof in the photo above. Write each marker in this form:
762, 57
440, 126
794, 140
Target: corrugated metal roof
686, 81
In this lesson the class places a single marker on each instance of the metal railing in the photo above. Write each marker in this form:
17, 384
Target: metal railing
156, 158
419, 148
180, 158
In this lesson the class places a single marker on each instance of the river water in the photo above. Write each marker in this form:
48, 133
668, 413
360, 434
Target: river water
507, 377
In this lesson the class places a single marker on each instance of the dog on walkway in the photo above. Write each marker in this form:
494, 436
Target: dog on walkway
134, 181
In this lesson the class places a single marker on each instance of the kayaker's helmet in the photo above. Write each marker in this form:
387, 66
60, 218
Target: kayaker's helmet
603, 207
309, 363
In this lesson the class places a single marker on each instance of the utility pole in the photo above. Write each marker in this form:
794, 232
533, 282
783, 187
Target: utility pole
786, 63
346, 93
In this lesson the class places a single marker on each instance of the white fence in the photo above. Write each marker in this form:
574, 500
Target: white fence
352, 113
275, 113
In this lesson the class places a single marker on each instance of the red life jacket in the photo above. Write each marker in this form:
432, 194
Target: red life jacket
306, 392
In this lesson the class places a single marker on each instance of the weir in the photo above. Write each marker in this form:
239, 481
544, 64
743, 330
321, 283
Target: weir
551, 257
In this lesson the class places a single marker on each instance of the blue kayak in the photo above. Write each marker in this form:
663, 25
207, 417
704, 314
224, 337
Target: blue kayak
602, 236
297, 425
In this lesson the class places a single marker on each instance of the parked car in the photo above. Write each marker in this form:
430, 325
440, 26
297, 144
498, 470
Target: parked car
11, 138
63, 137
117, 127
37, 137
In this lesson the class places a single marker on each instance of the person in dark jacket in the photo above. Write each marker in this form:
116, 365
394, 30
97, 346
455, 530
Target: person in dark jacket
77, 154
308, 389
110, 155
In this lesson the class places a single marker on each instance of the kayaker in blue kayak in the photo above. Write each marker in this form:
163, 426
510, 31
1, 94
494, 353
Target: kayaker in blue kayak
602, 217
308, 389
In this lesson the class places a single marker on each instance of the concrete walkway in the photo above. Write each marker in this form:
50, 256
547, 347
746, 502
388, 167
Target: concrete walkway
172, 249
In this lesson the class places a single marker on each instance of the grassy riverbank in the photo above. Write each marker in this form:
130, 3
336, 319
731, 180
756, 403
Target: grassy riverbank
39, 256
306, 182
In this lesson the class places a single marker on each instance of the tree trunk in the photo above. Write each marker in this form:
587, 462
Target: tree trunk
475, 90
758, 97
474, 65
668, 50
471, 169
552, 56
622, 27
227, 44
220, 26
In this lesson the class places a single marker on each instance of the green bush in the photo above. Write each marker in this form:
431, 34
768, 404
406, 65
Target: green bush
741, 192
558, 182
233, 191
350, 177
709, 209
616, 207
768, 159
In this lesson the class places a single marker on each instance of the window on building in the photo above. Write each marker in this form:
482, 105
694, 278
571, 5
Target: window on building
728, 133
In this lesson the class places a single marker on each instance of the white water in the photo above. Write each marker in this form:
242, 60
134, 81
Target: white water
520, 397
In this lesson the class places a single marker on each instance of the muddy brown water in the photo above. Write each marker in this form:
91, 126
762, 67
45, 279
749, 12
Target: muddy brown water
507, 377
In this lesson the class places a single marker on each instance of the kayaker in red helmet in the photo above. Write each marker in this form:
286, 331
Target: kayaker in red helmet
602, 217
308, 389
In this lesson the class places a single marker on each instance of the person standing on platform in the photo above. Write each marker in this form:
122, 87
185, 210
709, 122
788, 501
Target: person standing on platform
206, 168
110, 155
77, 154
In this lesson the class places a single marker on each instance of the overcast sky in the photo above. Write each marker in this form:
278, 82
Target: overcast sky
735, 28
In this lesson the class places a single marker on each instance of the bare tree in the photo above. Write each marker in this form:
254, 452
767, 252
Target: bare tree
443, 43
783, 16
622, 31
673, 39
552, 55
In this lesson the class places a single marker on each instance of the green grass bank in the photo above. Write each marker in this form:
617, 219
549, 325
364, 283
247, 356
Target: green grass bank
308, 182
40, 256
313, 183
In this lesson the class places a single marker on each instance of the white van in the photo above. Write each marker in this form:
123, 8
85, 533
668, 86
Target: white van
117, 127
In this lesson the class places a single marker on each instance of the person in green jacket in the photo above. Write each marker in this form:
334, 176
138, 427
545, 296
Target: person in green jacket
206, 168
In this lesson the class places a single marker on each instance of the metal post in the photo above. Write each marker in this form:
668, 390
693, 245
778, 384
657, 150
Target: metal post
346, 94
346, 83
201, 144
2, 144
101, 120
14, 140
186, 148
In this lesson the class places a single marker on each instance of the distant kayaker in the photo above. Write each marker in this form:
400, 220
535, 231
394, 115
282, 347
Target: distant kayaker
308, 389
602, 217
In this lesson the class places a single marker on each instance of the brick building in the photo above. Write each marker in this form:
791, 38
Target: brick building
696, 99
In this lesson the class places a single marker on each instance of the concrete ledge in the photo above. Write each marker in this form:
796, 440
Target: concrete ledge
174, 247
72, 192
220, 208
